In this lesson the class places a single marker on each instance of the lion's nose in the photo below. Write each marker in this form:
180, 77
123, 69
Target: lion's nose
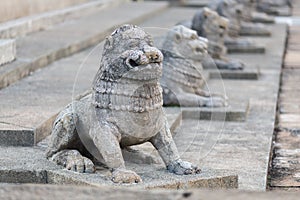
153, 54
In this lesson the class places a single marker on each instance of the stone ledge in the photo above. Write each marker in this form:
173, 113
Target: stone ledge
7, 51
246, 74
46, 192
28, 24
234, 112
29, 165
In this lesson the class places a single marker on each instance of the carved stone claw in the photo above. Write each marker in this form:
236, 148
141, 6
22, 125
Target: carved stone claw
121, 175
180, 167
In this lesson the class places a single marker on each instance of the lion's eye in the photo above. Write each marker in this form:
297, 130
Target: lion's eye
194, 37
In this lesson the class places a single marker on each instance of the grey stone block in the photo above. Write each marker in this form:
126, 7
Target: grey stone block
19, 137
67, 192
237, 112
47, 17
9, 10
7, 51
196, 3
250, 74
249, 49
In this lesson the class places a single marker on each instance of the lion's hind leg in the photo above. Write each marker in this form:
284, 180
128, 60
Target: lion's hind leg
64, 142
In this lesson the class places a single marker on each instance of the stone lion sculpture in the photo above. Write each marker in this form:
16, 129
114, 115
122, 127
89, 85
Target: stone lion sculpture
124, 109
207, 19
275, 7
182, 78
253, 14
210, 25
239, 18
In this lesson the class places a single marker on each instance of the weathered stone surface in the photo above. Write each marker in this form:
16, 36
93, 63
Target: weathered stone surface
55, 83
292, 60
251, 74
247, 49
233, 112
196, 3
33, 192
210, 25
260, 118
280, 8
239, 16
183, 79
124, 109
45, 20
245, 145
42, 48
286, 163
9, 10
7, 51
29, 165
174, 117
30, 106
285, 166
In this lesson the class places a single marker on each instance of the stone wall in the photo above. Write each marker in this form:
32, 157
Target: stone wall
12, 9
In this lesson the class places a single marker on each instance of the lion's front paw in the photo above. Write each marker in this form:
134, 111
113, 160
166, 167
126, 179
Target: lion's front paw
81, 165
216, 101
125, 176
74, 161
183, 168
236, 65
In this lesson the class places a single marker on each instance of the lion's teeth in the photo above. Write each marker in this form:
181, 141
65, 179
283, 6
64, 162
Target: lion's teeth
135, 69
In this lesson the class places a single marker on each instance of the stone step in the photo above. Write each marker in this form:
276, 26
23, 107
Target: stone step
7, 51
250, 74
196, 3
45, 20
39, 49
234, 112
252, 49
9, 10
29, 165
46, 192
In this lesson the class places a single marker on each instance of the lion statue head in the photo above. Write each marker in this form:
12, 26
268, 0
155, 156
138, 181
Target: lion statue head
185, 42
130, 67
212, 26
129, 54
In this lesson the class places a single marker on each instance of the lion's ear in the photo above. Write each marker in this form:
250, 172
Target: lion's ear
109, 42
177, 37
206, 12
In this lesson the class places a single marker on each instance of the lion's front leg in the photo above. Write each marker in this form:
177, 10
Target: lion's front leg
106, 138
167, 149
